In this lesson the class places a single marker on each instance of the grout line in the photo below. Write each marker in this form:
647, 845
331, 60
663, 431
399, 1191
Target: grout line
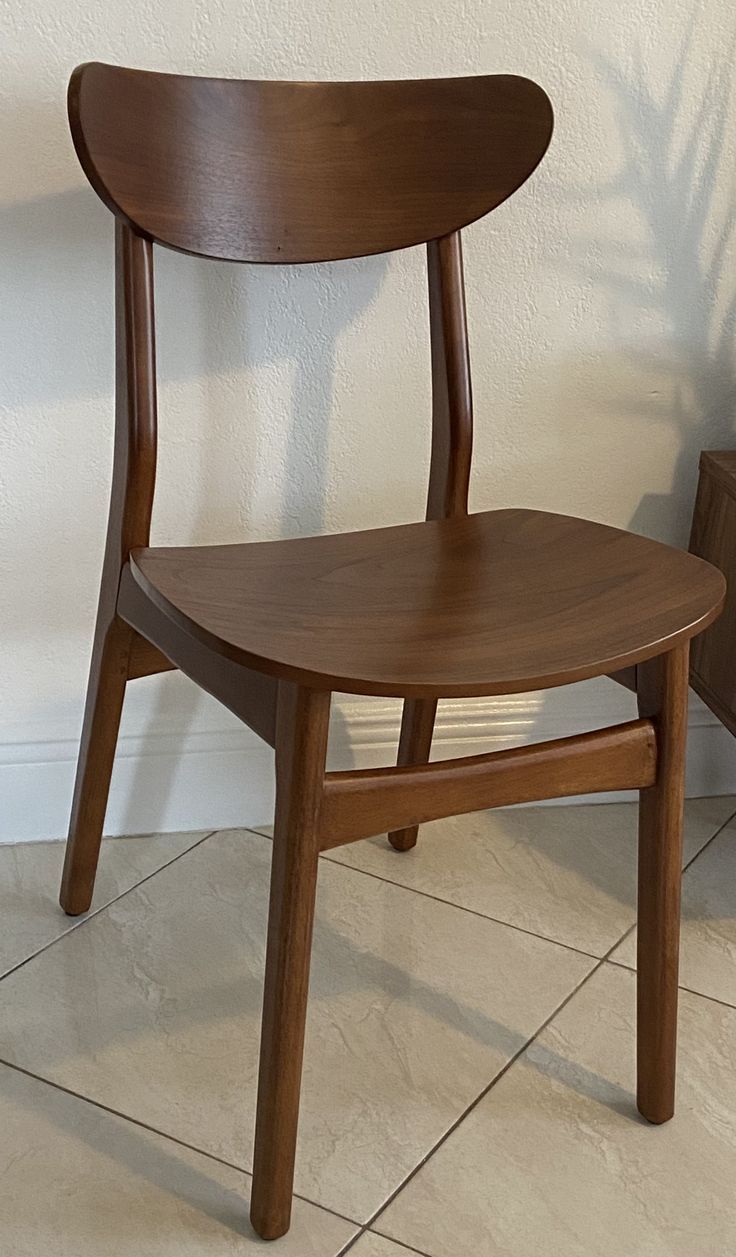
367, 1227
399, 1244
451, 1130
352, 1242
363, 1227
705, 845
154, 1130
78, 922
366, 873
498, 920
632, 968
620, 964
479, 1098
449, 903
713, 999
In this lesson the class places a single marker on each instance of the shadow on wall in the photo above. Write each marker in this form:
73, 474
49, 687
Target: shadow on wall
678, 161
218, 322
214, 320
678, 152
219, 325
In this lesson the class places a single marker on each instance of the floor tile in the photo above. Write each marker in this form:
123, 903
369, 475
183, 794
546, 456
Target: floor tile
77, 1182
153, 1008
555, 1159
370, 1245
708, 948
30, 874
567, 873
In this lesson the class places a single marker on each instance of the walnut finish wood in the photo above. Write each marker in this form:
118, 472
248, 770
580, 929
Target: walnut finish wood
452, 443
358, 804
415, 744
501, 602
129, 523
663, 698
301, 747
249, 695
303, 172
713, 537
452, 398
145, 659
720, 465
495, 603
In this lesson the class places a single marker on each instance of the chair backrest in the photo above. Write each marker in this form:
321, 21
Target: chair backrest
296, 172
303, 172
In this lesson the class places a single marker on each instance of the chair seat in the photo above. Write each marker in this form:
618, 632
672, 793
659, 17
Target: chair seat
498, 602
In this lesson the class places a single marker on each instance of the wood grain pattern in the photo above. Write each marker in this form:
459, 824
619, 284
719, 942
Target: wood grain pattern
301, 747
663, 699
713, 537
431, 610
368, 801
460, 605
303, 172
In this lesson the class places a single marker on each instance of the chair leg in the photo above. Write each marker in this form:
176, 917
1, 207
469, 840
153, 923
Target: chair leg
415, 743
105, 692
301, 747
662, 693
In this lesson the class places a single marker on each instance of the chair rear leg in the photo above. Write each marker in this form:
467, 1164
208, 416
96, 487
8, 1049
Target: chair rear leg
105, 692
415, 744
662, 693
301, 747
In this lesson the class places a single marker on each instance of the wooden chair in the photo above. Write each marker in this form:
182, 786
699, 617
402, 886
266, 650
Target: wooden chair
491, 603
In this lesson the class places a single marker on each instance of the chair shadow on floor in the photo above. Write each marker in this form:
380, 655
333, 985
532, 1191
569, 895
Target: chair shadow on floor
125, 1143
340, 967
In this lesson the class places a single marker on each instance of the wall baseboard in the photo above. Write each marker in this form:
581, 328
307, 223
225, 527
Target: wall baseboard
175, 778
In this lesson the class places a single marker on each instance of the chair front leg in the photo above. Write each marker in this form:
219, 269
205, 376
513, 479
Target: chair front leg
662, 694
301, 746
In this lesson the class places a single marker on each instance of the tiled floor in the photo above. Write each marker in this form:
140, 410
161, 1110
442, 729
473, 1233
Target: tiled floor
469, 1065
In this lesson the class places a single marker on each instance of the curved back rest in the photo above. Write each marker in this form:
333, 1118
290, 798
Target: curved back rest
257, 171
295, 172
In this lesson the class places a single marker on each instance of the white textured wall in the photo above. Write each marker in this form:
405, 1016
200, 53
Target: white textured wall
601, 301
